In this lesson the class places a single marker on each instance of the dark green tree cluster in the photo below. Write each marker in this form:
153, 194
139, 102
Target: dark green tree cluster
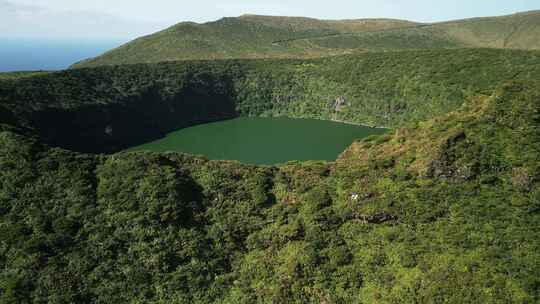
443, 209
108, 109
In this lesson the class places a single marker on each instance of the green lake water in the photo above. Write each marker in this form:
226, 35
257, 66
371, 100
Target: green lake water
263, 140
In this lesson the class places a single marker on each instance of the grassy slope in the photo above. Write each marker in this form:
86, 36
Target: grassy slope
20, 75
248, 36
253, 36
302, 25
518, 31
445, 211
513, 31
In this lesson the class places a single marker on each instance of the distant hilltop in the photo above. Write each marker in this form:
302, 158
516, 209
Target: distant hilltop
256, 36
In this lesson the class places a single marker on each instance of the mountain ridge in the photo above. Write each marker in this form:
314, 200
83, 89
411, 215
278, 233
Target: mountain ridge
259, 36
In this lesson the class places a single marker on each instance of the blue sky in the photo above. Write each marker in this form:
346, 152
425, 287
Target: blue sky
131, 18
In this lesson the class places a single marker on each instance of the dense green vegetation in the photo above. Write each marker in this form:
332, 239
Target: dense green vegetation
248, 36
445, 211
252, 36
19, 75
518, 31
107, 109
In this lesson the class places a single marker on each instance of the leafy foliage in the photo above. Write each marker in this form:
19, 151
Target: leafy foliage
107, 109
444, 209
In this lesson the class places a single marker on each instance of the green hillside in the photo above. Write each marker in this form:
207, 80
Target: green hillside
518, 31
19, 75
142, 102
252, 36
443, 209
248, 36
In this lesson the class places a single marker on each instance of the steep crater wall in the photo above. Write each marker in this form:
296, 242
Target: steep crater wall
95, 118
107, 109
113, 127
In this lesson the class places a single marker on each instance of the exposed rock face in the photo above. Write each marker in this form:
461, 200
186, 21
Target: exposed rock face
378, 218
109, 130
521, 179
339, 104
446, 164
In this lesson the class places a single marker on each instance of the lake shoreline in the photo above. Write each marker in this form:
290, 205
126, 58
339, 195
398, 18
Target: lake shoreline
263, 140
322, 119
359, 124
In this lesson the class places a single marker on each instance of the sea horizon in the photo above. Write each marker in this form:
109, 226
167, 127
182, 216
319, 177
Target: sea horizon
36, 54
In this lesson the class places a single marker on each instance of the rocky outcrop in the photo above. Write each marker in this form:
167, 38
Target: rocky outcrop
339, 104
447, 164
378, 218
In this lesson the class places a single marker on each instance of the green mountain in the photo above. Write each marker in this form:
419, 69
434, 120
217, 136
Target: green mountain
252, 36
443, 209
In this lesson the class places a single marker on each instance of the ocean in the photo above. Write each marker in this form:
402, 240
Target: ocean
54, 54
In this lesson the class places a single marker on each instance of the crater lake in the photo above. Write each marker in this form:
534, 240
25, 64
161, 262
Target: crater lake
267, 141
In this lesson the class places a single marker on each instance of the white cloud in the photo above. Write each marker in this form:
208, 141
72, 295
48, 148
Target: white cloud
20, 20
125, 18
